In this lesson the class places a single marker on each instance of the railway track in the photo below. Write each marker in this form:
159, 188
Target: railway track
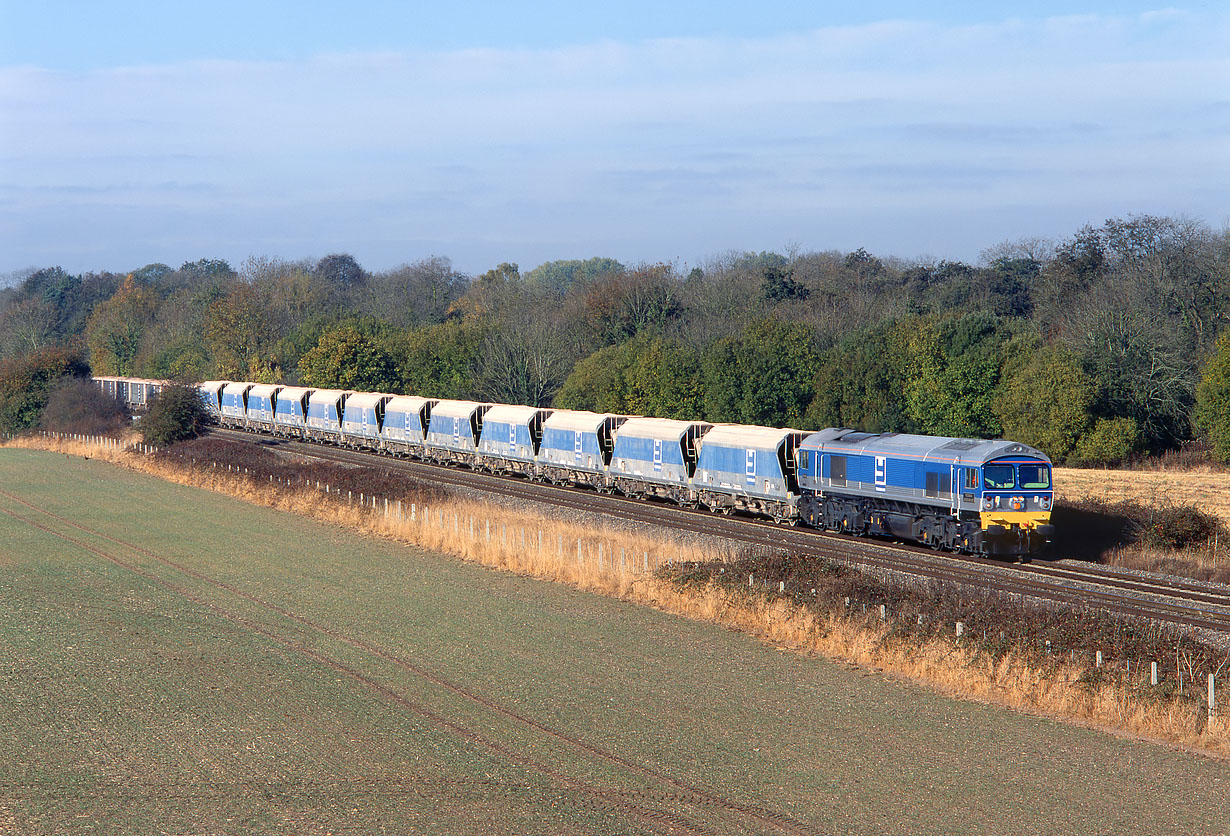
1172, 600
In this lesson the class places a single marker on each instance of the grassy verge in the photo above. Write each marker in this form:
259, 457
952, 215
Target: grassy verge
808, 613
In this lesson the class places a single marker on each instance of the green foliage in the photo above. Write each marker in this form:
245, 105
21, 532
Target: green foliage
647, 375
1139, 374
954, 368
597, 383
177, 414
1213, 399
780, 285
235, 331
1044, 398
763, 376
183, 361
25, 384
861, 383
345, 358
439, 361
664, 380
1110, 442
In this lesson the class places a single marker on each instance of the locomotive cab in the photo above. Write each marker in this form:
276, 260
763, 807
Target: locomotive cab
1015, 501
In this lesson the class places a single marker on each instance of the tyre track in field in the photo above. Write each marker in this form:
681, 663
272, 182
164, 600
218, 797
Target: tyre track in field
686, 793
591, 795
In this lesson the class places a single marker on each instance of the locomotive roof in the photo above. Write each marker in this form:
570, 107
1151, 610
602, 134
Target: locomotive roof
580, 419
967, 451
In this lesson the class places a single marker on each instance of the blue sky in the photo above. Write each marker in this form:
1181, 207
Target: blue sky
139, 132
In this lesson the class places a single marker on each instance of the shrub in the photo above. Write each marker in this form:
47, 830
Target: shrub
177, 414
1175, 527
78, 405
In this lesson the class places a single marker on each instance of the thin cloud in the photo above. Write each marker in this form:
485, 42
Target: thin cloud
441, 143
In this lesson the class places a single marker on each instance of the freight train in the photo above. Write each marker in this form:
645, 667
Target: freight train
957, 494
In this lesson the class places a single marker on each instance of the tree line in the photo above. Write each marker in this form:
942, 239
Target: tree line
1108, 344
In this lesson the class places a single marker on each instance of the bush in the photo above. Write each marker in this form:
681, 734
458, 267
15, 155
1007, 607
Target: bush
1175, 527
177, 414
78, 405
26, 382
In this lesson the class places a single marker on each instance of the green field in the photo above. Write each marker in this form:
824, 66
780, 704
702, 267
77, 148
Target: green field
172, 661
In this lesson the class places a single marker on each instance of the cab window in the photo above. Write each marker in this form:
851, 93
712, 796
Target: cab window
1035, 477
998, 477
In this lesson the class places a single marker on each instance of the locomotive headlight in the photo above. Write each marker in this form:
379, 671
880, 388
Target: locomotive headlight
987, 503
1018, 503
1044, 502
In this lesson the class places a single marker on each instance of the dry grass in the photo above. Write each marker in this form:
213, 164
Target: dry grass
1206, 487
625, 565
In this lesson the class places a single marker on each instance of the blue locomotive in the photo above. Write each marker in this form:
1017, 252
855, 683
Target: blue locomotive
957, 494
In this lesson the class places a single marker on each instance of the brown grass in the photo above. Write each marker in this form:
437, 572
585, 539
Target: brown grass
1111, 493
625, 565
1206, 487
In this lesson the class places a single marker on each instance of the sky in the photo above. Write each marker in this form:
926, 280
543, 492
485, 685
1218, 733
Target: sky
141, 132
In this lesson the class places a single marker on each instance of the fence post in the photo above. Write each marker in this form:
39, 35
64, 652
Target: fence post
1097, 659
578, 551
1153, 673
1212, 701
883, 611
960, 629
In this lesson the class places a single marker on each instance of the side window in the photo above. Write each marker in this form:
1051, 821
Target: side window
837, 470
938, 483
971, 479
804, 460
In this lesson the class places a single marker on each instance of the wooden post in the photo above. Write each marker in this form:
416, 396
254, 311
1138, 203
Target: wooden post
1153, 673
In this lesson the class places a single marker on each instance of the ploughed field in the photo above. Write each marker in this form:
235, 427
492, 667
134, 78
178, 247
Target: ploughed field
176, 661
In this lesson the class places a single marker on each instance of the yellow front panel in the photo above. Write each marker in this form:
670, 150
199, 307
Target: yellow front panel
1018, 519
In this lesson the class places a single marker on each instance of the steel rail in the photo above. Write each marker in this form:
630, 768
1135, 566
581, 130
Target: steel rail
1178, 601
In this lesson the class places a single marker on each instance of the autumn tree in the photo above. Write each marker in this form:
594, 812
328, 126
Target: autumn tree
235, 332
113, 331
